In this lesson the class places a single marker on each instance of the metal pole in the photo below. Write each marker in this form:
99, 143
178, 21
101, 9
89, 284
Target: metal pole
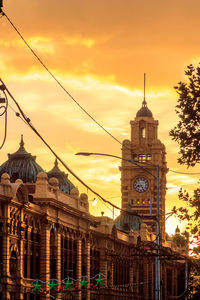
157, 262
150, 206
186, 277
186, 269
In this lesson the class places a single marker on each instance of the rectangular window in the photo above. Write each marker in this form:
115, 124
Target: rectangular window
148, 157
142, 157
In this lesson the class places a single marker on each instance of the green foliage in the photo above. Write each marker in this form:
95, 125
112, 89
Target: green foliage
187, 131
194, 279
187, 134
191, 214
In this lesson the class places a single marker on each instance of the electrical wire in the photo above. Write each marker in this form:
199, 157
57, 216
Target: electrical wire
65, 90
28, 122
4, 112
153, 165
114, 214
58, 82
186, 173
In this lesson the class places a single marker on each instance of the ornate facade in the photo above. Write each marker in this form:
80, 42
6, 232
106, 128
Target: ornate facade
49, 239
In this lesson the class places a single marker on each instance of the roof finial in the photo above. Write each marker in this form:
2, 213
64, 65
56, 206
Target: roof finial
144, 103
22, 141
56, 163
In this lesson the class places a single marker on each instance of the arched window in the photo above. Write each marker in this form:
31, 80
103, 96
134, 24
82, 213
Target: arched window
32, 263
13, 263
25, 261
26, 227
94, 261
32, 229
38, 232
143, 132
32, 234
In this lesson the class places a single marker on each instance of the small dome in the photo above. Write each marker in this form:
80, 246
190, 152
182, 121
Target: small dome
65, 184
144, 111
21, 165
127, 222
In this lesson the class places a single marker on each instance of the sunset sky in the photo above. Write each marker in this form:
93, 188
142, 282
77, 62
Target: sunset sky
99, 50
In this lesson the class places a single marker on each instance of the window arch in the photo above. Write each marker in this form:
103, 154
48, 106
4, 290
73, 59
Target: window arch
25, 261
13, 260
143, 132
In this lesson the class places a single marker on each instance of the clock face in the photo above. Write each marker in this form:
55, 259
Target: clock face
141, 184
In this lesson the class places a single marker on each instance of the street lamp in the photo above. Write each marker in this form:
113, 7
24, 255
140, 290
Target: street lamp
157, 177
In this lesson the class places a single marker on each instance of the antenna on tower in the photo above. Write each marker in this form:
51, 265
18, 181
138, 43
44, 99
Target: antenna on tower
144, 103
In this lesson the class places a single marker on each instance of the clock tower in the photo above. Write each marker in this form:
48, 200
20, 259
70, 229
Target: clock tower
138, 186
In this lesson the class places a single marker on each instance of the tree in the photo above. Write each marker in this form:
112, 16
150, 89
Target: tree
187, 131
187, 134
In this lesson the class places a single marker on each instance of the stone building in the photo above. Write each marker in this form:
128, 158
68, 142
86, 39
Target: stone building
49, 239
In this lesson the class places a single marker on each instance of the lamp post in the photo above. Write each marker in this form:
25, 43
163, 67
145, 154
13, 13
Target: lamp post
157, 177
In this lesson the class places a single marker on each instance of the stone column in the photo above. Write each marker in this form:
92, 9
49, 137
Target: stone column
6, 271
151, 279
28, 252
112, 274
21, 265
137, 280
79, 266
103, 267
164, 279
146, 281
88, 266
45, 257
58, 261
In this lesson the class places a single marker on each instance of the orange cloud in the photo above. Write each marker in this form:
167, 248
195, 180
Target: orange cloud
99, 50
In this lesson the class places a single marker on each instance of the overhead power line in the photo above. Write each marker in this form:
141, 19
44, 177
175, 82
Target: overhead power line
186, 173
58, 82
3, 111
23, 116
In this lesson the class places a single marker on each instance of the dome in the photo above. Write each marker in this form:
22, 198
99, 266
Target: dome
21, 165
144, 111
127, 222
65, 184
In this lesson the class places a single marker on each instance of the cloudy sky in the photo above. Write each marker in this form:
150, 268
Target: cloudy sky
99, 50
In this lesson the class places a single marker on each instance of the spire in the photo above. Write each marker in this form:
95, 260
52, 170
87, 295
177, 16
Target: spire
21, 151
56, 163
144, 111
22, 141
144, 103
